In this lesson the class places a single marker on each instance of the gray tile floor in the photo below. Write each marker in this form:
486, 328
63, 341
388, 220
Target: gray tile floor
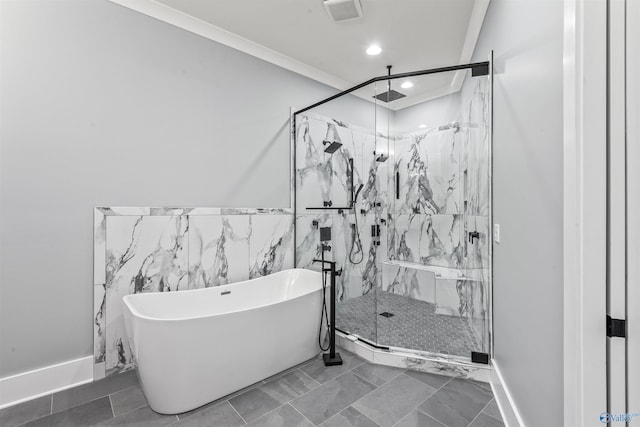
414, 325
355, 394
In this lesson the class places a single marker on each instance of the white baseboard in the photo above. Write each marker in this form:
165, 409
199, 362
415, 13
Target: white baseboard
507, 406
40, 382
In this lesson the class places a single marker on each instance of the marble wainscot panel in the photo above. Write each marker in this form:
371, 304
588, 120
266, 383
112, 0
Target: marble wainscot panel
270, 244
144, 254
171, 249
99, 289
99, 331
218, 250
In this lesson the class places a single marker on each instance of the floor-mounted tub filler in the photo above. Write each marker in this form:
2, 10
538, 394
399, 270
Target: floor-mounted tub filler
193, 347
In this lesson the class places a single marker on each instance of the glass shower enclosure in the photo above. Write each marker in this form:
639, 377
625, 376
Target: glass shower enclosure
394, 176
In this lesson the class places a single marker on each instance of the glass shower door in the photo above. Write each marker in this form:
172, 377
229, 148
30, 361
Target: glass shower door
435, 278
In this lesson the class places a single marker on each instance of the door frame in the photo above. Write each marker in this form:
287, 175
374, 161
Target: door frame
584, 210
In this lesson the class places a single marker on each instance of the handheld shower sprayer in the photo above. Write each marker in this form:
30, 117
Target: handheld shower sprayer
355, 197
356, 243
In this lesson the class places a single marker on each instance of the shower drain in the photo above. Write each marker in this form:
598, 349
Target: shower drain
387, 314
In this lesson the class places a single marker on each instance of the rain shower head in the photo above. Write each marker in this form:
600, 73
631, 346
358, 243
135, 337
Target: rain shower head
389, 95
331, 147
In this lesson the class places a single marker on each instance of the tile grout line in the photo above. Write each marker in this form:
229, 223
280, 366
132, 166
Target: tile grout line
435, 391
480, 412
363, 414
311, 378
128, 412
430, 416
378, 386
303, 416
111, 406
489, 415
342, 374
486, 413
236, 411
430, 396
375, 387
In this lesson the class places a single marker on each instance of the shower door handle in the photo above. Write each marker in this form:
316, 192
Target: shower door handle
398, 185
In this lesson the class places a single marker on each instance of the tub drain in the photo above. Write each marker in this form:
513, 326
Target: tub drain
387, 314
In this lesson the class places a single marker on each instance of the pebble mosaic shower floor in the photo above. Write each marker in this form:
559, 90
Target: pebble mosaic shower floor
414, 324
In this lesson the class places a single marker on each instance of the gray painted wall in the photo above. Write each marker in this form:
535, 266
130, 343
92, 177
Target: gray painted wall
102, 106
527, 39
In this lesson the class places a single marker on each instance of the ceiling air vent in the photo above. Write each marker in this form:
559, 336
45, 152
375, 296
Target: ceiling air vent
343, 10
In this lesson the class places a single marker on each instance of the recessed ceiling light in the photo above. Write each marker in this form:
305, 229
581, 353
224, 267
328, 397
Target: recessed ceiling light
374, 49
406, 85
422, 126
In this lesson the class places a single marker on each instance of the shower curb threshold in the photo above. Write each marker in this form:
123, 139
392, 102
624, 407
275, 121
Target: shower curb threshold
414, 361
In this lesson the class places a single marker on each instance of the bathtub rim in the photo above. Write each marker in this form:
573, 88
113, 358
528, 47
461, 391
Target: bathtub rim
137, 314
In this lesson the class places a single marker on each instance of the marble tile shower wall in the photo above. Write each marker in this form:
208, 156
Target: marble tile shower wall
444, 191
166, 249
321, 178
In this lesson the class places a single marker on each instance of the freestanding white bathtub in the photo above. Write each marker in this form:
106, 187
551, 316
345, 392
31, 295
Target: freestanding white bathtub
193, 347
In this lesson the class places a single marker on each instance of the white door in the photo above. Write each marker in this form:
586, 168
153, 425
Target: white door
633, 206
623, 223
616, 208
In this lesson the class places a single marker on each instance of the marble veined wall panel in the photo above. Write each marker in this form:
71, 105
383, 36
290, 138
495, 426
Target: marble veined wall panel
270, 244
171, 249
143, 254
218, 249
325, 177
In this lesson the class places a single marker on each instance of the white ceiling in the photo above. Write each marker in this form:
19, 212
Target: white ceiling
299, 35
